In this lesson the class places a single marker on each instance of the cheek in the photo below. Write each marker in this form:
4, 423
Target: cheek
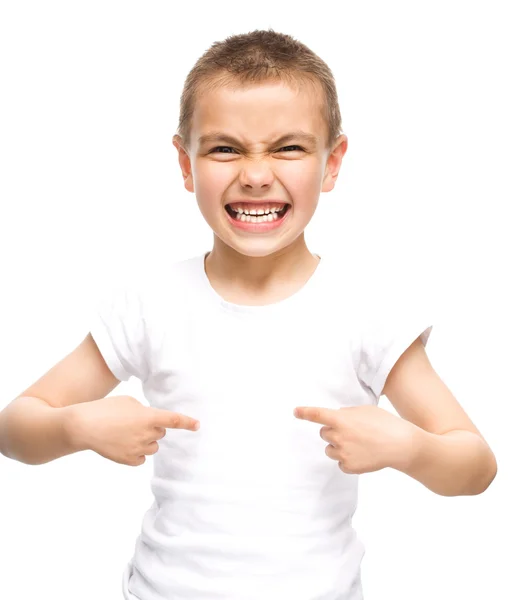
303, 181
212, 177
301, 170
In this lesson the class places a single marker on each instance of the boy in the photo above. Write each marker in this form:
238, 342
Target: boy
259, 342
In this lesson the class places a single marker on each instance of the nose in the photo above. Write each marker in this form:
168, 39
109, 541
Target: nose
256, 175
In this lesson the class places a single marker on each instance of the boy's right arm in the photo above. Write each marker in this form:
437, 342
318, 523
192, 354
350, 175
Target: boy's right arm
36, 427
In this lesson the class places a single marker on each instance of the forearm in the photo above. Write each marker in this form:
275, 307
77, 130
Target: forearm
456, 463
33, 432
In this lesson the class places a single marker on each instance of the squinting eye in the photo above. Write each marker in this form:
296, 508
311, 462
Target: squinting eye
219, 147
299, 148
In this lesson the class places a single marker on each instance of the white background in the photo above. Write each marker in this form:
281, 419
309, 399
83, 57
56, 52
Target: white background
427, 198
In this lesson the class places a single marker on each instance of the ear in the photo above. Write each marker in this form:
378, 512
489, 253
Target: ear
184, 162
334, 163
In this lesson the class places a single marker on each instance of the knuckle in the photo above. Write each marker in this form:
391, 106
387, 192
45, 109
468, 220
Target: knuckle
150, 448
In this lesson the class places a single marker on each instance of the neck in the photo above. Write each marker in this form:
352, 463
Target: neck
257, 275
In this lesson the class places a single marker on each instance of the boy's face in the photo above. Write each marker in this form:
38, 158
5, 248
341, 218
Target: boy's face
256, 166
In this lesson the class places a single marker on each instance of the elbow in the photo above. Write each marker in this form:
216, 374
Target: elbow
491, 473
479, 476
486, 474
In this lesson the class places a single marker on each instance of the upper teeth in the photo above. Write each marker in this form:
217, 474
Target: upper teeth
260, 211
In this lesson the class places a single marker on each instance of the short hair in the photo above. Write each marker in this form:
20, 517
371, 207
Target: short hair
257, 57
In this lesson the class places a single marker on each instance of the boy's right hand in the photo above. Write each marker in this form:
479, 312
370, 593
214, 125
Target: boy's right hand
121, 429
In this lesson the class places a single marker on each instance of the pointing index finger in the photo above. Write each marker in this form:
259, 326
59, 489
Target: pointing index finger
169, 419
325, 416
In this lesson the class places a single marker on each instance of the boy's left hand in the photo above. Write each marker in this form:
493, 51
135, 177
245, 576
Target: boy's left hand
363, 438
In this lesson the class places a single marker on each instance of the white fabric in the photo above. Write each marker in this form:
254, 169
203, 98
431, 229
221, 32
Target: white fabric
249, 507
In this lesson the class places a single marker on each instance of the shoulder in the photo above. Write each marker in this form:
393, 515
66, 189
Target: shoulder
165, 288
151, 280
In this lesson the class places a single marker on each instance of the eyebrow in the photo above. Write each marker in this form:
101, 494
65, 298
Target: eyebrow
219, 136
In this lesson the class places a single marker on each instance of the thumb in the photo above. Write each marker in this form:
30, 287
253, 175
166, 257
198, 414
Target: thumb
174, 420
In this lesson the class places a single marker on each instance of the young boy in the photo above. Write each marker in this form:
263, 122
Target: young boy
271, 349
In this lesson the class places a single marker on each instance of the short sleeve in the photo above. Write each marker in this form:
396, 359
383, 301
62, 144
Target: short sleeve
119, 329
385, 336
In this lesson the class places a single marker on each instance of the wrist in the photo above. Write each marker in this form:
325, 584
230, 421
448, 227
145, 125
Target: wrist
72, 425
412, 448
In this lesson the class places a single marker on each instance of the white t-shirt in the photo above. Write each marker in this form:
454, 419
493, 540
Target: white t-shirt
250, 507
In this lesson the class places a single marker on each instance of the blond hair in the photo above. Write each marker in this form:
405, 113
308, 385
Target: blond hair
257, 57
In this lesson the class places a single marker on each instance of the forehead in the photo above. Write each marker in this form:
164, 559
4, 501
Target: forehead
258, 113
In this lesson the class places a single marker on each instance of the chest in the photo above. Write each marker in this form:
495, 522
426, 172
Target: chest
244, 365
242, 379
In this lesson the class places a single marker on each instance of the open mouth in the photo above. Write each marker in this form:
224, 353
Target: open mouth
257, 218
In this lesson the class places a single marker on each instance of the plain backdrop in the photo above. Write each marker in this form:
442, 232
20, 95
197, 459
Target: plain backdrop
426, 200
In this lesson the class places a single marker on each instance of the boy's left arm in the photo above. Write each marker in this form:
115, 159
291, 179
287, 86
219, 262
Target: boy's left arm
450, 456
